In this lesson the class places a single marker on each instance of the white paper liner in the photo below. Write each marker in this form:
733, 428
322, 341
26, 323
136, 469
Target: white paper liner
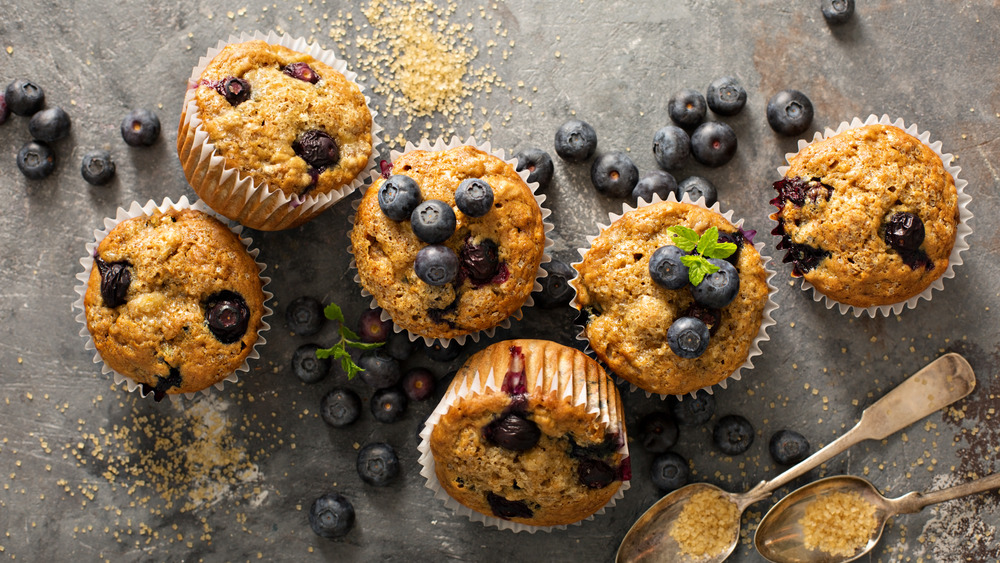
260, 206
767, 320
961, 232
135, 210
441, 145
493, 382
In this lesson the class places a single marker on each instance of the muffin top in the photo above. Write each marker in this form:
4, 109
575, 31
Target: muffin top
284, 118
174, 301
867, 216
629, 315
499, 253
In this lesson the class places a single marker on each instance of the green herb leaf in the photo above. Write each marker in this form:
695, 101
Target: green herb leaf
720, 250
333, 312
364, 345
347, 338
707, 239
347, 333
324, 353
684, 237
698, 268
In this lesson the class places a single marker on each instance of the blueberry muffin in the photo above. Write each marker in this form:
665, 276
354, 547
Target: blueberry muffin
670, 338
867, 216
285, 122
532, 433
174, 301
450, 243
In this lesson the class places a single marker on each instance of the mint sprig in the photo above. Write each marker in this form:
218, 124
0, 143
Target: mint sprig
706, 245
348, 338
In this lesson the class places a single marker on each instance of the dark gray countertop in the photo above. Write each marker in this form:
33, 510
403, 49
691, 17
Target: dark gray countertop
231, 476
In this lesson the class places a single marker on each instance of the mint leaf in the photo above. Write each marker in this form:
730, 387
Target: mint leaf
708, 238
698, 268
684, 237
347, 338
364, 345
333, 312
720, 250
324, 353
347, 333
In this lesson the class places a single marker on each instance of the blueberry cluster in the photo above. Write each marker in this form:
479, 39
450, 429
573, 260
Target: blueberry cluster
711, 143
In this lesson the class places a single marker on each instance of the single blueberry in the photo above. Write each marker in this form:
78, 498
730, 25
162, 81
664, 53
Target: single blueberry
438, 352
398, 196
614, 174
697, 187
837, 12
371, 327
474, 197
418, 384
227, 315
97, 168
340, 407
479, 262
788, 447
388, 405
116, 277
4, 108
576, 141
713, 143
732, 434
658, 432
49, 125
436, 264
399, 346
331, 516
693, 411
24, 97
306, 366
671, 147
595, 474
904, 231
687, 107
556, 290
666, 268
234, 89
719, 288
380, 369
140, 128
301, 71
513, 432
317, 148
688, 337
507, 509
789, 112
655, 182
36, 160
726, 96
539, 165
433, 221
669, 471
377, 464
304, 316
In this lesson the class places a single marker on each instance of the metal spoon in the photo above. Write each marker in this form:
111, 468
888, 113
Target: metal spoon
939, 384
780, 537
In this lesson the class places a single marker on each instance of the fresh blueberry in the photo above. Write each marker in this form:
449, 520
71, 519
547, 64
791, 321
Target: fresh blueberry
4, 108
837, 12
377, 464
595, 474
614, 174
371, 327
49, 124
398, 196
507, 509
713, 143
655, 182
228, 316
726, 96
116, 277
789, 112
687, 107
301, 71
331, 516
24, 97
340, 407
576, 141
140, 128
513, 432
697, 187
480, 263
433, 221
671, 147
36, 160
317, 148
556, 290
669, 471
235, 90
438, 352
306, 366
688, 337
436, 264
904, 231
666, 268
399, 346
733, 434
474, 197
418, 384
539, 165
788, 447
97, 167
304, 316
693, 411
380, 369
658, 432
388, 405
719, 288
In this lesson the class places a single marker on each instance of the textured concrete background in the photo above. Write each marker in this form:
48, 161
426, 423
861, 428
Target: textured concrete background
68, 436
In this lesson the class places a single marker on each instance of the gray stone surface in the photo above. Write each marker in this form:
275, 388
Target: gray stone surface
65, 492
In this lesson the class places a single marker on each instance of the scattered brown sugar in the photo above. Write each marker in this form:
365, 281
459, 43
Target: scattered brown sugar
707, 524
838, 523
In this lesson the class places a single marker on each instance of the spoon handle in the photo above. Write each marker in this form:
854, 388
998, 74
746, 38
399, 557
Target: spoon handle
939, 384
915, 502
